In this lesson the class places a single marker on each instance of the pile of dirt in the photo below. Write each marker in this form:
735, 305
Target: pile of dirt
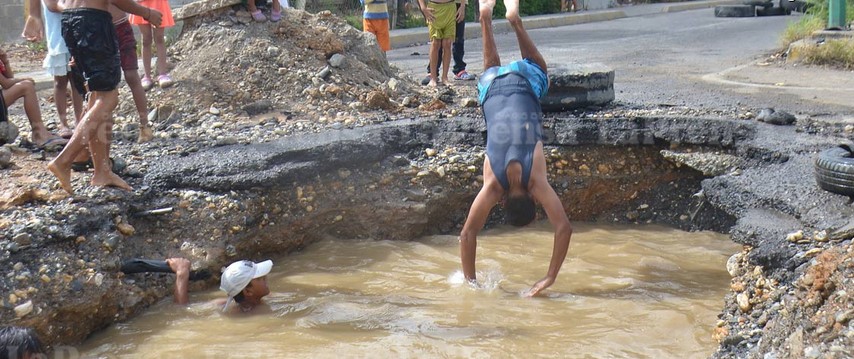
310, 67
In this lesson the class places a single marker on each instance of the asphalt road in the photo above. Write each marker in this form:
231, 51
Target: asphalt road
663, 58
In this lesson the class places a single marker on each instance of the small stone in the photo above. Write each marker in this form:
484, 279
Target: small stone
13, 299
309, 208
732, 265
820, 236
24, 309
632, 215
430, 152
5, 157
441, 171
343, 173
743, 302
273, 51
45, 278
812, 353
812, 252
111, 241
23, 239
469, 102
214, 111
794, 237
322, 74
126, 229
422, 174
849, 129
283, 70
18, 266
643, 206
339, 218
337, 60
99, 279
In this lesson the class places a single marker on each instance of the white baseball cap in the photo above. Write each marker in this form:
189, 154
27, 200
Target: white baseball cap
238, 275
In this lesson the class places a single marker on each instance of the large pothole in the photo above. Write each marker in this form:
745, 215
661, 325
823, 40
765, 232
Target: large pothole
405, 179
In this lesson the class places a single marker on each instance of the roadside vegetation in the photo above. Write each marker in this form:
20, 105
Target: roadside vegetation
835, 52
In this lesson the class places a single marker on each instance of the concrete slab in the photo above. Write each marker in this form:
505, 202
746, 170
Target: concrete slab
578, 85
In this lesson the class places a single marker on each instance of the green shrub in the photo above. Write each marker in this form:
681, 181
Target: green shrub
838, 52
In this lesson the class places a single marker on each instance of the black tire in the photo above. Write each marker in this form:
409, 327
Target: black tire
797, 6
834, 170
772, 11
735, 11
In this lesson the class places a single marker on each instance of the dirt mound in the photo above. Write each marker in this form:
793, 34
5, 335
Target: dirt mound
307, 66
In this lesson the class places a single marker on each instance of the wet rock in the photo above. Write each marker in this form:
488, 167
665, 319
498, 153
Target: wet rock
733, 265
469, 102
111, 241
5, 157
258, 107
8, 132
775, 117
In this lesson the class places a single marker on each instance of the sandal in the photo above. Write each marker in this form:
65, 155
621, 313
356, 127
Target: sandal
147, 84
164, 81
53, 144
258, 16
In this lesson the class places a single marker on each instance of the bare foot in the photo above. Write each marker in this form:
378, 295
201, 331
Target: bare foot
512, 7
445, 80
145, 134
433, 83
63, 175
110, 180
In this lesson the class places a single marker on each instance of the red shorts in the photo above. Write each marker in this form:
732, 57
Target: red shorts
127, 46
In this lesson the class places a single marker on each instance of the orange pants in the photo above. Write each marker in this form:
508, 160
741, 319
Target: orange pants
378, 27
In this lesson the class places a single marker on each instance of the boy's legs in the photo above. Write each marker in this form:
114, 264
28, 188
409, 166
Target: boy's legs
60, 98
145, 30
446, 58
490, 51
435, 47
130, 67
27, 91
459, 47
91, 131
526, 45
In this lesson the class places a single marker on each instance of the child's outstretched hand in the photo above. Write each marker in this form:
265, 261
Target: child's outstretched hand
155, 18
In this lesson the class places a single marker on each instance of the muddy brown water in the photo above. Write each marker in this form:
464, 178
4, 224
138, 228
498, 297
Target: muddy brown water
639, 292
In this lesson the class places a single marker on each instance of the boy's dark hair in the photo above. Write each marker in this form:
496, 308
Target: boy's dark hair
239, 298
520, 210
15, 342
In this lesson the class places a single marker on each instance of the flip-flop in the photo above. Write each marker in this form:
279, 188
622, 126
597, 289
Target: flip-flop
65, 133
53, 144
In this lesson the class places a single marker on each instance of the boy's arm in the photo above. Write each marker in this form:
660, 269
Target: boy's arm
33, 26
461, 12
153, 17
181, 267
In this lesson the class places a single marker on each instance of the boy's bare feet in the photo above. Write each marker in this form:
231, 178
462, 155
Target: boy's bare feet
445, 80
512, 7
110, 180
145, 134
433, 83
63, 175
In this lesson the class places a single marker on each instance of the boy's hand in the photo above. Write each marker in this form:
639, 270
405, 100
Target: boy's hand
428, 14
32, 29
155, 18
461, 13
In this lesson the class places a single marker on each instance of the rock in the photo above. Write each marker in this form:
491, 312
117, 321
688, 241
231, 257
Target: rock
393, 85
711, 164
111, 241
8, 132
337, 60
849, 129
774, 117
23, 239
733, 265
469, 102
227, 141
323, 73
125, 229
430, 152
5, 157
578, 85
743, 302
213, 111
794, 237
258, 107
200, 7
410, 102
24, 309
377, 99
273, 51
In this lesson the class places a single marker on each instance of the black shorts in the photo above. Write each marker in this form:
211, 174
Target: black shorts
92, 42
4, 116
